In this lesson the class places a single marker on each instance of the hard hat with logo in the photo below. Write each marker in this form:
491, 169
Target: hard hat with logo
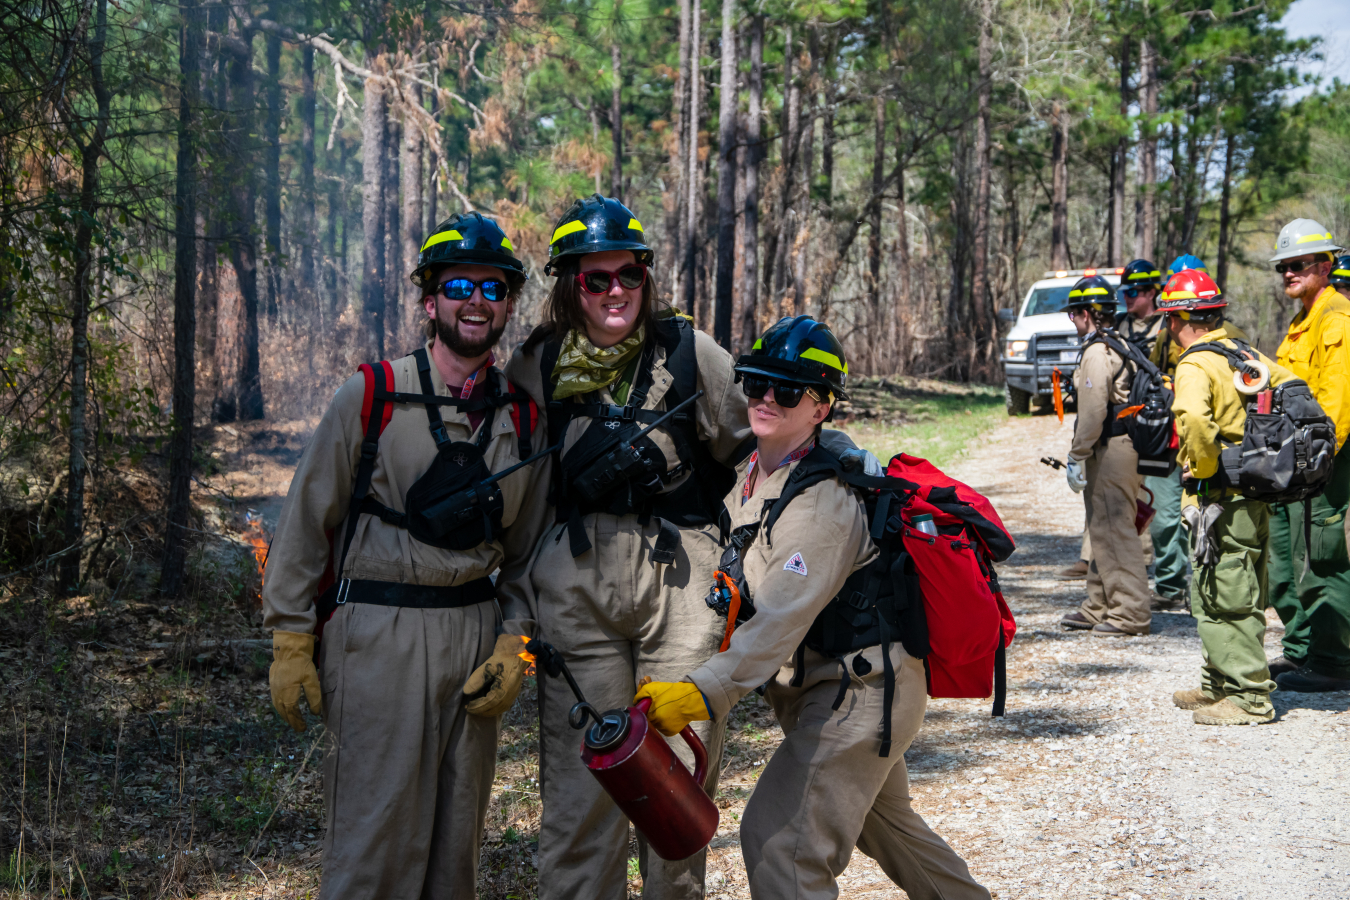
798, 349
1301, 237
1092, 292
1340, 273
466, 239
1190, 291
594, 225
1187, 261
1141, 273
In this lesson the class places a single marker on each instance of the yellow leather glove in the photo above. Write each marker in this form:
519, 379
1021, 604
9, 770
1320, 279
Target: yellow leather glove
493, 686
293, 669
674, 705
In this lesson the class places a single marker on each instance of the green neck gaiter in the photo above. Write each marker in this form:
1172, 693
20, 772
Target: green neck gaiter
583, 367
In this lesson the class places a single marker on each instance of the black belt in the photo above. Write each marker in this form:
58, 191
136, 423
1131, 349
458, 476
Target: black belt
412, 596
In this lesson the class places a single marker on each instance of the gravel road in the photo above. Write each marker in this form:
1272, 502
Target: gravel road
1094, 784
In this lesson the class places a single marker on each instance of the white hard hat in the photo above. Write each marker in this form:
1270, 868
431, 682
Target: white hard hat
1301, 237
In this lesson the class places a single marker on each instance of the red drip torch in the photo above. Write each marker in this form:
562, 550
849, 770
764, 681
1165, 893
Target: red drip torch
640, 771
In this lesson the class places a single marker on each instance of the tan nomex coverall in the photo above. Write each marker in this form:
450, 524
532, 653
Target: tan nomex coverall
407, 773
616, 616
1117, 581
825, 790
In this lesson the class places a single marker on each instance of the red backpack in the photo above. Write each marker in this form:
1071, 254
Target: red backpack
377, 408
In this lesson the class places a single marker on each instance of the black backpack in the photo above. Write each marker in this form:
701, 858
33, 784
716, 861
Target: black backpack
1146, 415
1287, 454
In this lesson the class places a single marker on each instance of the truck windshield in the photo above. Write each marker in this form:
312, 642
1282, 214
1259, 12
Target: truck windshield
1047, 300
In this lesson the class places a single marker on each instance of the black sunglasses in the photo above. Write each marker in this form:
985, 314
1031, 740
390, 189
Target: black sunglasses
494, 289
786, 394
1296, 266
598, 281
1135, 291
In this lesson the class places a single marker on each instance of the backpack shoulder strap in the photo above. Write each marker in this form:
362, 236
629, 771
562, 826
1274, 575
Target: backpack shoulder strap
375, 415
814, 468
677, 337
525, 418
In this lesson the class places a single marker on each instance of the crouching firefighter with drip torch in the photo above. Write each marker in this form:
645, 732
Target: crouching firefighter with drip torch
620, 577
838, 780
423, 477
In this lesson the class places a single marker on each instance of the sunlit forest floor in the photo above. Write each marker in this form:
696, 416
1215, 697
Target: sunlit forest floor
142, 758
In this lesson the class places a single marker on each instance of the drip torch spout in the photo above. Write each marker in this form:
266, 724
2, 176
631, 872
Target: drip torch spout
551, 661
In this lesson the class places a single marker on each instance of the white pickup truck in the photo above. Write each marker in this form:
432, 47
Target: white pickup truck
1042, 339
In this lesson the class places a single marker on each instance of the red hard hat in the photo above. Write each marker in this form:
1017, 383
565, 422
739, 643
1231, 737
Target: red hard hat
1191, 290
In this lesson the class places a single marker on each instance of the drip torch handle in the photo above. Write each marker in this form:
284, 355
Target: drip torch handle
700, 753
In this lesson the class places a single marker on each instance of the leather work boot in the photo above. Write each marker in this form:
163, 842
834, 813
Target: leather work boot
1281, 664
1158, 603
1226, 712
1107, 630
1076, 621
1195, 698
1306, 681
1074, 572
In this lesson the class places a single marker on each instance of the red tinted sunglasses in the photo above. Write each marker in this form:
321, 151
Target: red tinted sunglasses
598, 281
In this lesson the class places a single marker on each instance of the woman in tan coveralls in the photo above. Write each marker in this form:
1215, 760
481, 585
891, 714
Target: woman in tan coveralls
619, 580
826, 789
1103, 461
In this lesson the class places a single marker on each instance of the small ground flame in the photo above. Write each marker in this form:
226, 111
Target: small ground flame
527, 656
256, 536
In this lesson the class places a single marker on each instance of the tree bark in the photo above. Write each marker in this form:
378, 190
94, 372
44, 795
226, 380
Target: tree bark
1059, 201
184, 310
335, 264
807, 157
776, 253
1121, 161
694, 179
372, 212
1221, 271
433, 168
904, 311
1146, 198
874, 233
412, 215
753, 156
68, 575
979, 282
616, 124
726, 181
675, 215
272, 164
393, 234
306, 226
243, 243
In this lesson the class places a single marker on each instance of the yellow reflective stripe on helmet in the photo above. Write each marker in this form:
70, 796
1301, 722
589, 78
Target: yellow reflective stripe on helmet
506, 242
1138, 275
828, 359
635, 225
1180, 294
441, 237
1314, 237
564, 230
759, 342
1344, 273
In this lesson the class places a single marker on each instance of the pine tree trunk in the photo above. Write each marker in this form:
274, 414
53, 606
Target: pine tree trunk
68, 575
1225, 221
1059, 179
412, 221
726, 181
807, 157
1146, 198
694, 181
433, 173
306, 226
904, 311
1117, 250
874, 233
393, 233
372, 212
272, 164
243, 246
674, 197
979, 287
184, 310
616, 124
775, 252
753, 155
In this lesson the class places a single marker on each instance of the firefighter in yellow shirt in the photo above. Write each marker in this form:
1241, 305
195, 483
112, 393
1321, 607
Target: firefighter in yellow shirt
1228, 531
1313, 601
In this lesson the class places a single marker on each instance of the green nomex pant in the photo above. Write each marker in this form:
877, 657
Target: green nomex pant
1228, 600
1283, 593
1322, 621
1171, 548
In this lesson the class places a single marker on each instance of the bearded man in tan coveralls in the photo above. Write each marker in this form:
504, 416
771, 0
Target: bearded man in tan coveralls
408, 763
826, 789
620, 582
1103, 461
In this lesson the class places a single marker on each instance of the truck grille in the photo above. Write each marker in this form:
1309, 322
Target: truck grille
1050, 346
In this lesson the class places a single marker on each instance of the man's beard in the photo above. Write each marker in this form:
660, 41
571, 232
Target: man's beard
448, 333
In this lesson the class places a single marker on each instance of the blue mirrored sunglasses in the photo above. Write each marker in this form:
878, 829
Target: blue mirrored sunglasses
493, 289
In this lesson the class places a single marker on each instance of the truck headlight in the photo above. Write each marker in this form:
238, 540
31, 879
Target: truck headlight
1016, 349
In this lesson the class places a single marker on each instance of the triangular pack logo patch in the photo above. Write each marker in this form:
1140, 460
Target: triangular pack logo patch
796, 564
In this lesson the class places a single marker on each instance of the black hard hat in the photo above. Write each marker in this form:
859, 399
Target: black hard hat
1141, 273
1094, 292
467, 238
595, 225
798, 349
1340, 272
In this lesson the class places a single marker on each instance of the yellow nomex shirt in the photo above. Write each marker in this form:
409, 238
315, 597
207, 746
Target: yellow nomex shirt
1316, 350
